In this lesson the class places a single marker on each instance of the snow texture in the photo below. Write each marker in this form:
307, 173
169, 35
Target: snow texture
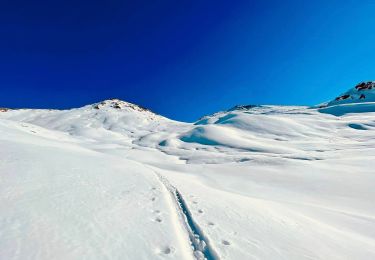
113, 180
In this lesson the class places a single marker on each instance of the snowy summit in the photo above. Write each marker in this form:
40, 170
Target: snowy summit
113, 180
361, 98
361, 93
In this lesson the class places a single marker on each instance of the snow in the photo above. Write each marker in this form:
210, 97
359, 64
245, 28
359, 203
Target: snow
62, 201
339, 110
362, 93
113, 180
359, 99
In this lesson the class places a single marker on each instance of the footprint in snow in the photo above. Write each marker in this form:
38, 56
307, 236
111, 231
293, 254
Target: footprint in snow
225, 242
200, 211
168, 250
158, 220
165, 250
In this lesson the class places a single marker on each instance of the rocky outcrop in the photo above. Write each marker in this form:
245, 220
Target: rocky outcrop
119, 104
362, 93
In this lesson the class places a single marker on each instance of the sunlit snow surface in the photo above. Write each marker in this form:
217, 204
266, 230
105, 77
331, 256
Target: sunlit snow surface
265, 182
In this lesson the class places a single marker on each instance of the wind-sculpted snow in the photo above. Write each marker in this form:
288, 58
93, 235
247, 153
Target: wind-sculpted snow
257, 182
214, 135
339, 110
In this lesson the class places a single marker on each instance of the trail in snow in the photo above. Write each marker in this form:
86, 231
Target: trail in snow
199, 242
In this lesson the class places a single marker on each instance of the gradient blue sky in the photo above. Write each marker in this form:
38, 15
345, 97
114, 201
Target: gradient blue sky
183, 59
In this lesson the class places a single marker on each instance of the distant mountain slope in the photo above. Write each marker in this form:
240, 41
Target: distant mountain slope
359, 99
111, 118
361, 93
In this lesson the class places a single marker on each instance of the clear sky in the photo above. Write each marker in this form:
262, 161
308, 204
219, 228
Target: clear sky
183, 59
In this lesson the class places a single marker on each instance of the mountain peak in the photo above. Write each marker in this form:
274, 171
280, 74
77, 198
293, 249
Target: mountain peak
119, 104
363, 92
242, 107
359, 99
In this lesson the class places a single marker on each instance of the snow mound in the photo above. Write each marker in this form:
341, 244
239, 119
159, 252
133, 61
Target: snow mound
236, 135
231, 138
339, 110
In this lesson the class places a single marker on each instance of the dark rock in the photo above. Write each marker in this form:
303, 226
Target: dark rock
343, 97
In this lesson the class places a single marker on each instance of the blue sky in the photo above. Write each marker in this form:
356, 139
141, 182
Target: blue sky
183, 59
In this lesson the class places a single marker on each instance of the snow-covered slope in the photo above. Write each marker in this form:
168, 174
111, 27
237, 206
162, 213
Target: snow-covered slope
362, 92
359, 99
112, 181
62, 201
105, 118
